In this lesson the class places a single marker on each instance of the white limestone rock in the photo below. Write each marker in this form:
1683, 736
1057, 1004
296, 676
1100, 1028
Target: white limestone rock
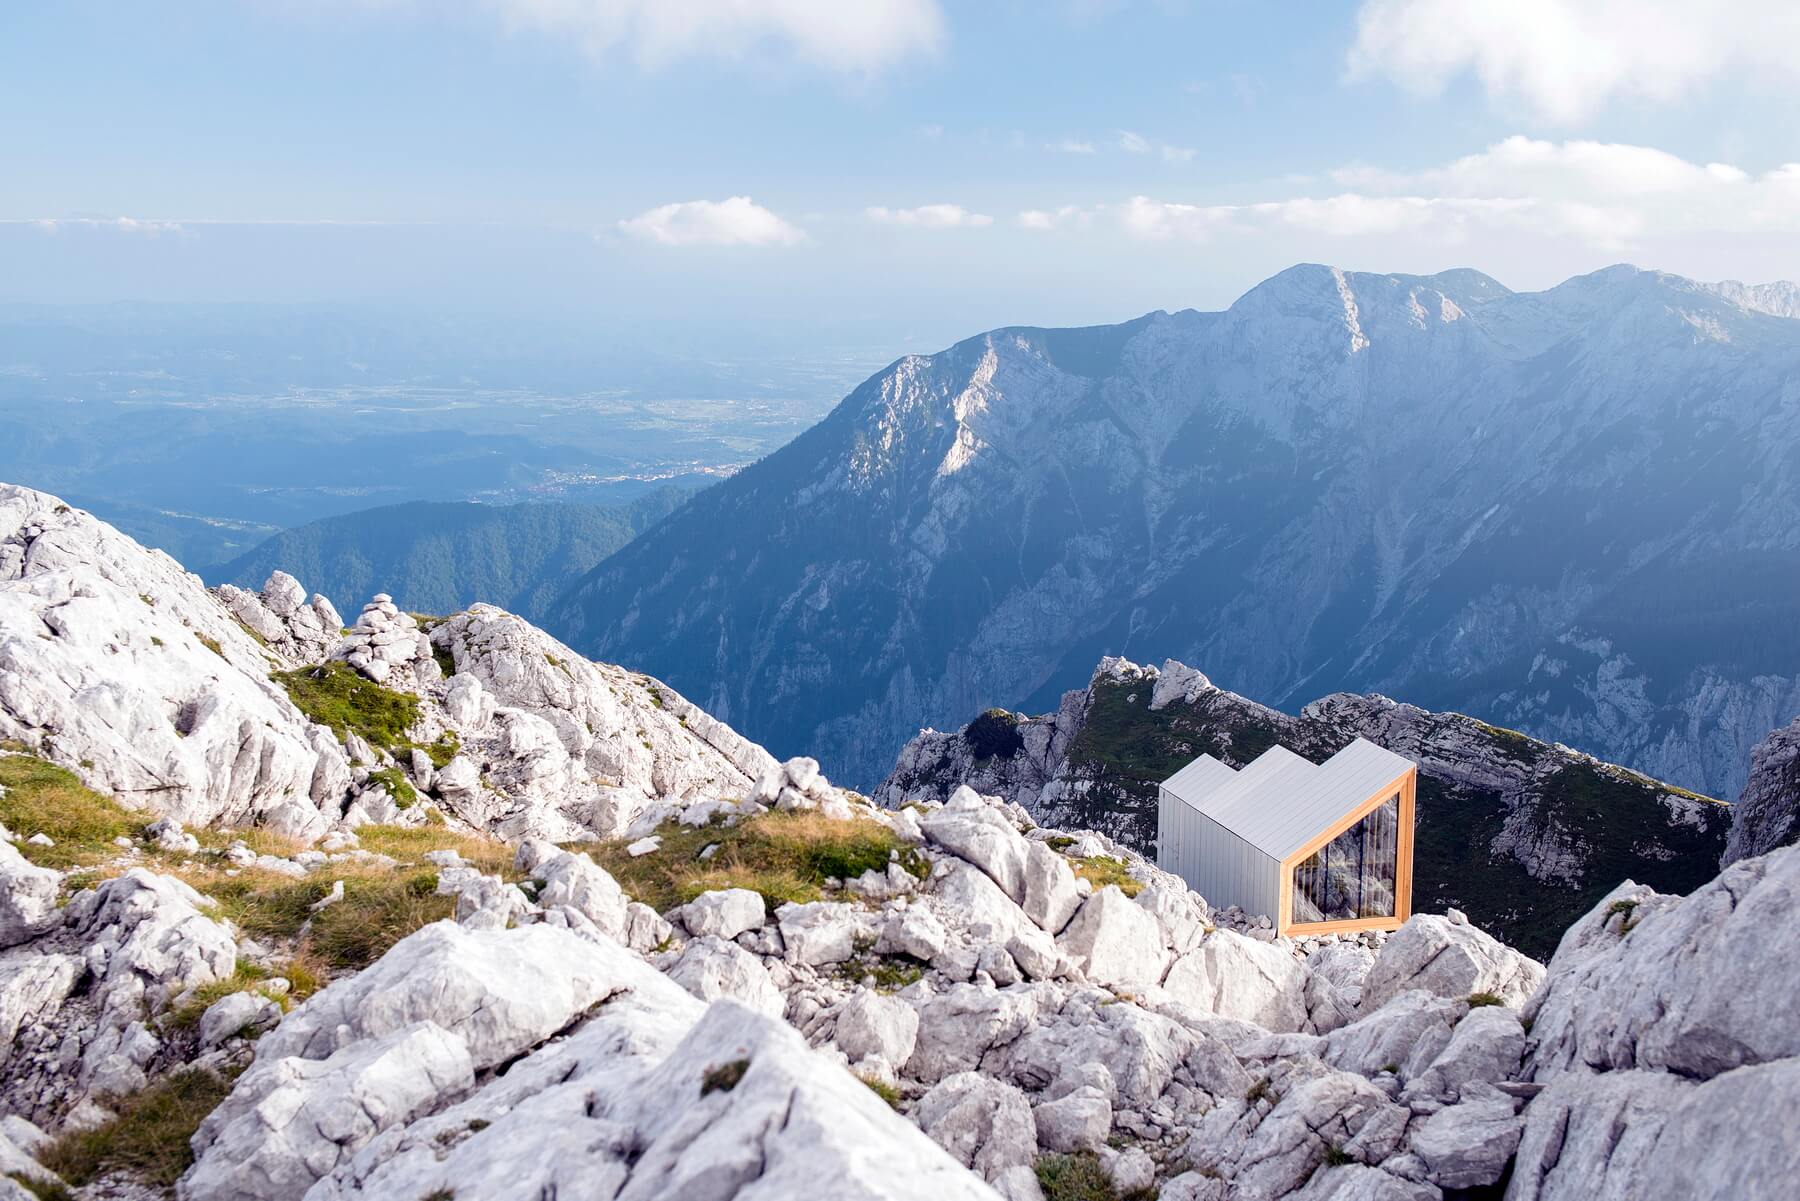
27, 897
1449, 959
1237, 977
576, 748
239, 1014
1467, 1145
970, 828
292, 1120
1078, 1121
1675, 984
1404, 1037
501, 991
1115, 941
724, 913
870, 1024
107, 668
711, 967
985, 1125
822, 932
1486, 1048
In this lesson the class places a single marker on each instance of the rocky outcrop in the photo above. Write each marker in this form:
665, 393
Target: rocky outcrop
292, 627
1522, 835
116, 663
613, 1075
555, 746
1767, 815
1664, 1047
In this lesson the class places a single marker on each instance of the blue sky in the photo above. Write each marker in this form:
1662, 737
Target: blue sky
908, 169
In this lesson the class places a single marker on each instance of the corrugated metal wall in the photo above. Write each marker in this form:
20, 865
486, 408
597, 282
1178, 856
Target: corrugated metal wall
1216, 863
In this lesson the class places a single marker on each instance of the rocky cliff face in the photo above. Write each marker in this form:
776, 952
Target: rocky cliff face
1522, 835
1767, 815
236, 707
1521, 506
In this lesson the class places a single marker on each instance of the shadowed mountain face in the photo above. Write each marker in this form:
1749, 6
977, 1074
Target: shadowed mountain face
441, 557
1573, 512
1522, 835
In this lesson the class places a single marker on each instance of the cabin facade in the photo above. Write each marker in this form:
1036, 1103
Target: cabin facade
1318, 847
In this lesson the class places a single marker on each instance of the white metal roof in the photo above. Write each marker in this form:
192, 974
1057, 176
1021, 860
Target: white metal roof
1279, 802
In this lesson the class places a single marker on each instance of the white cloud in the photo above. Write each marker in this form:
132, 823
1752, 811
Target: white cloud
129, 225
1132, 143
852, 36
1071, 146
1177, 154
928, 216
1611, 196
738, 221
1058, 218
1567, 58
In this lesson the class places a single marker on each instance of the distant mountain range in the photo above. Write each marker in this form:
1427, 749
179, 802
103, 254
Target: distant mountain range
1573, 512
441, 557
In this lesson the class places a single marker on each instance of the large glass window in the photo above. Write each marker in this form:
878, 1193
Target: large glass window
1355, 875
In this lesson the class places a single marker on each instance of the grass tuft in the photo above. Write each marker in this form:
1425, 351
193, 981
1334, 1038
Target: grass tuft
1101, 870
783, 856
1077, 1177
41, 797
1479, 999
148, 1139
884, 1090
724, 1078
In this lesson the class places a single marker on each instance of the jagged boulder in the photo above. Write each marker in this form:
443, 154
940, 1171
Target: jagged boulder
1115, 941
290, 625
1238, 977
27, 897
1767, 813
1448, 957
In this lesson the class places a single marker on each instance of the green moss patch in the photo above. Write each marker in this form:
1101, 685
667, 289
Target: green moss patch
1101, 870
335, 695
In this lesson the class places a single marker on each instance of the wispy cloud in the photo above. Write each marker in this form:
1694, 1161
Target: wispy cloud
1070, 146
1610, 195
862, 37
1137, 143
928, 216
1568, 58
737, 221
1067, 216
1132, 143
127, 225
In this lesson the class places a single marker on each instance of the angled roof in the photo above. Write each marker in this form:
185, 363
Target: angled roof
1280, 802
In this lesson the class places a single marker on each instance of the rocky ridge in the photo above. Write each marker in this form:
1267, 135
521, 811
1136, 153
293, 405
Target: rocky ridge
1767, 815
1522, 835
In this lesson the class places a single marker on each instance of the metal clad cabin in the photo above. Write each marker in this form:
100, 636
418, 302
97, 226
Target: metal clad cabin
1318, 847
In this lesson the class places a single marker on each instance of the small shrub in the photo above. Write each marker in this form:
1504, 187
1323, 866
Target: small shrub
724, 1078
43, 1190
335, 695
444, 749
148, 1139
1479, 999
1260, 1091
1628, 911
1336, 1157
1101, 870
884, 1090
211, 644
994, 735
155, 641
40, 797
890, 972
1077, 1177
1059, 842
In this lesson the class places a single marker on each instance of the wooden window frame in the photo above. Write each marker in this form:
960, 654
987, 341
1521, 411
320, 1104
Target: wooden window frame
1407, 784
